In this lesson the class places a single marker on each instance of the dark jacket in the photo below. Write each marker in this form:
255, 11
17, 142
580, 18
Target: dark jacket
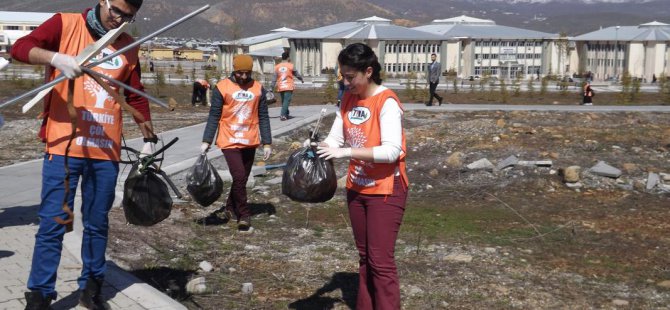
215, 116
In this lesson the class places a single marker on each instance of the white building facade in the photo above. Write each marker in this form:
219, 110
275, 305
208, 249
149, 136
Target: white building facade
643, 51
14, 25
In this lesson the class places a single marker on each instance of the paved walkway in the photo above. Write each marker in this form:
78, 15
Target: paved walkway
19, 200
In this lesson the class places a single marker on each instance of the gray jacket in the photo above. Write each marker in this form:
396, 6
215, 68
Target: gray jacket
434, 72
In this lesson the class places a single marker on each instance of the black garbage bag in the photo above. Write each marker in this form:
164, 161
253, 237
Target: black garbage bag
146, 199
203, 182
308, 178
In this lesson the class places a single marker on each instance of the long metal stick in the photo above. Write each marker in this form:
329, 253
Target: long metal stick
61, 77
318, 122
127, 87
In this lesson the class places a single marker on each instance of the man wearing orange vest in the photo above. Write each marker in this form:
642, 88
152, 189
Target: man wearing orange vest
95, 150
239, 112
283, 82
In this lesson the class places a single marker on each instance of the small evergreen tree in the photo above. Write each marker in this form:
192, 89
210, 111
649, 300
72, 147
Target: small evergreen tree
543, 85
504, 95
159, 80
624, 96
531, 88
330, 89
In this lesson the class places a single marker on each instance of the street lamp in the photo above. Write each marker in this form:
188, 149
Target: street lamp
616, 51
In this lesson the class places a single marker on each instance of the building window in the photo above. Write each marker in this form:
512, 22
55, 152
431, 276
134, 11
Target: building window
495, 43
11, 27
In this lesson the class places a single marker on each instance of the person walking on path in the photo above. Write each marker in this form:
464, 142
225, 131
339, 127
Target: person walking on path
94, 153
587, 94
370, 122
200, 89
433, 79
240, 114
284, 83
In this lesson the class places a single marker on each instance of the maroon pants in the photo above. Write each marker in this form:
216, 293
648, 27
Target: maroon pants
376, 220
239, 163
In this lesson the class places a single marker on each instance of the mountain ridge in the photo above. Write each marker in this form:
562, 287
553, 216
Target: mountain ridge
231, 19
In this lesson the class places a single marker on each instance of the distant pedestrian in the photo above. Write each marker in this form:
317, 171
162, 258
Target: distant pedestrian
653, 78
151, 66
200, 89
90, 156
433, 74
283, 81
239, 113
368, 133
587, 94
340, 85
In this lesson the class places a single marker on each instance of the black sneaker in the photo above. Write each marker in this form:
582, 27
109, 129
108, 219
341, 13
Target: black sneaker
36, 301
439, 101
91, 297
244, 226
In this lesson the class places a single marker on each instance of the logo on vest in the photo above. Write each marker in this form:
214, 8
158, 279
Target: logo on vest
359, 115
283, 69
112, 64
243, 96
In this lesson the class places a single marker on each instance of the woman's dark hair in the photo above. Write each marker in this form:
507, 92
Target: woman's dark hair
135, 3
360, 56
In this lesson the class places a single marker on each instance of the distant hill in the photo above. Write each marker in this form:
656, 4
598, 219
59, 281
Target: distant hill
228, 19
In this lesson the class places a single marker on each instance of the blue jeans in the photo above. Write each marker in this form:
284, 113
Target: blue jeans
98, 183
285, 101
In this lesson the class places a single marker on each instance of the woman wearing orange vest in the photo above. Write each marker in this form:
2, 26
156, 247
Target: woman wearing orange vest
283, 81
369, 123
240, 114
95, 150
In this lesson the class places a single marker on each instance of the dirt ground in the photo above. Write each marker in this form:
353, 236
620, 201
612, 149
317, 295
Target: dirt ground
516, 238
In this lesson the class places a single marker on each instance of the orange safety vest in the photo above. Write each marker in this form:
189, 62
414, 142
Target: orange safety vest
238, 126
99, 122
362, 130
284, 73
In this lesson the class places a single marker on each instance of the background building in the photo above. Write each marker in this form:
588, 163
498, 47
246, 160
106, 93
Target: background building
264, 49
14, 25
640, 50
478, 46
400, 50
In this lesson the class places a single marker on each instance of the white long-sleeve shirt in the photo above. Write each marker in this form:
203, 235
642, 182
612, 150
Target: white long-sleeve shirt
390, 121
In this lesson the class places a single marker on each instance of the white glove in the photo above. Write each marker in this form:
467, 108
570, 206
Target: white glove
267, 151
148, 149
3, 63
67, 65
333, 152
204, 147
270, 97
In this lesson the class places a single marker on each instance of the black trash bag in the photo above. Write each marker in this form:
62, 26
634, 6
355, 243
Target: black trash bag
309, 178
203, 182
146, 199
